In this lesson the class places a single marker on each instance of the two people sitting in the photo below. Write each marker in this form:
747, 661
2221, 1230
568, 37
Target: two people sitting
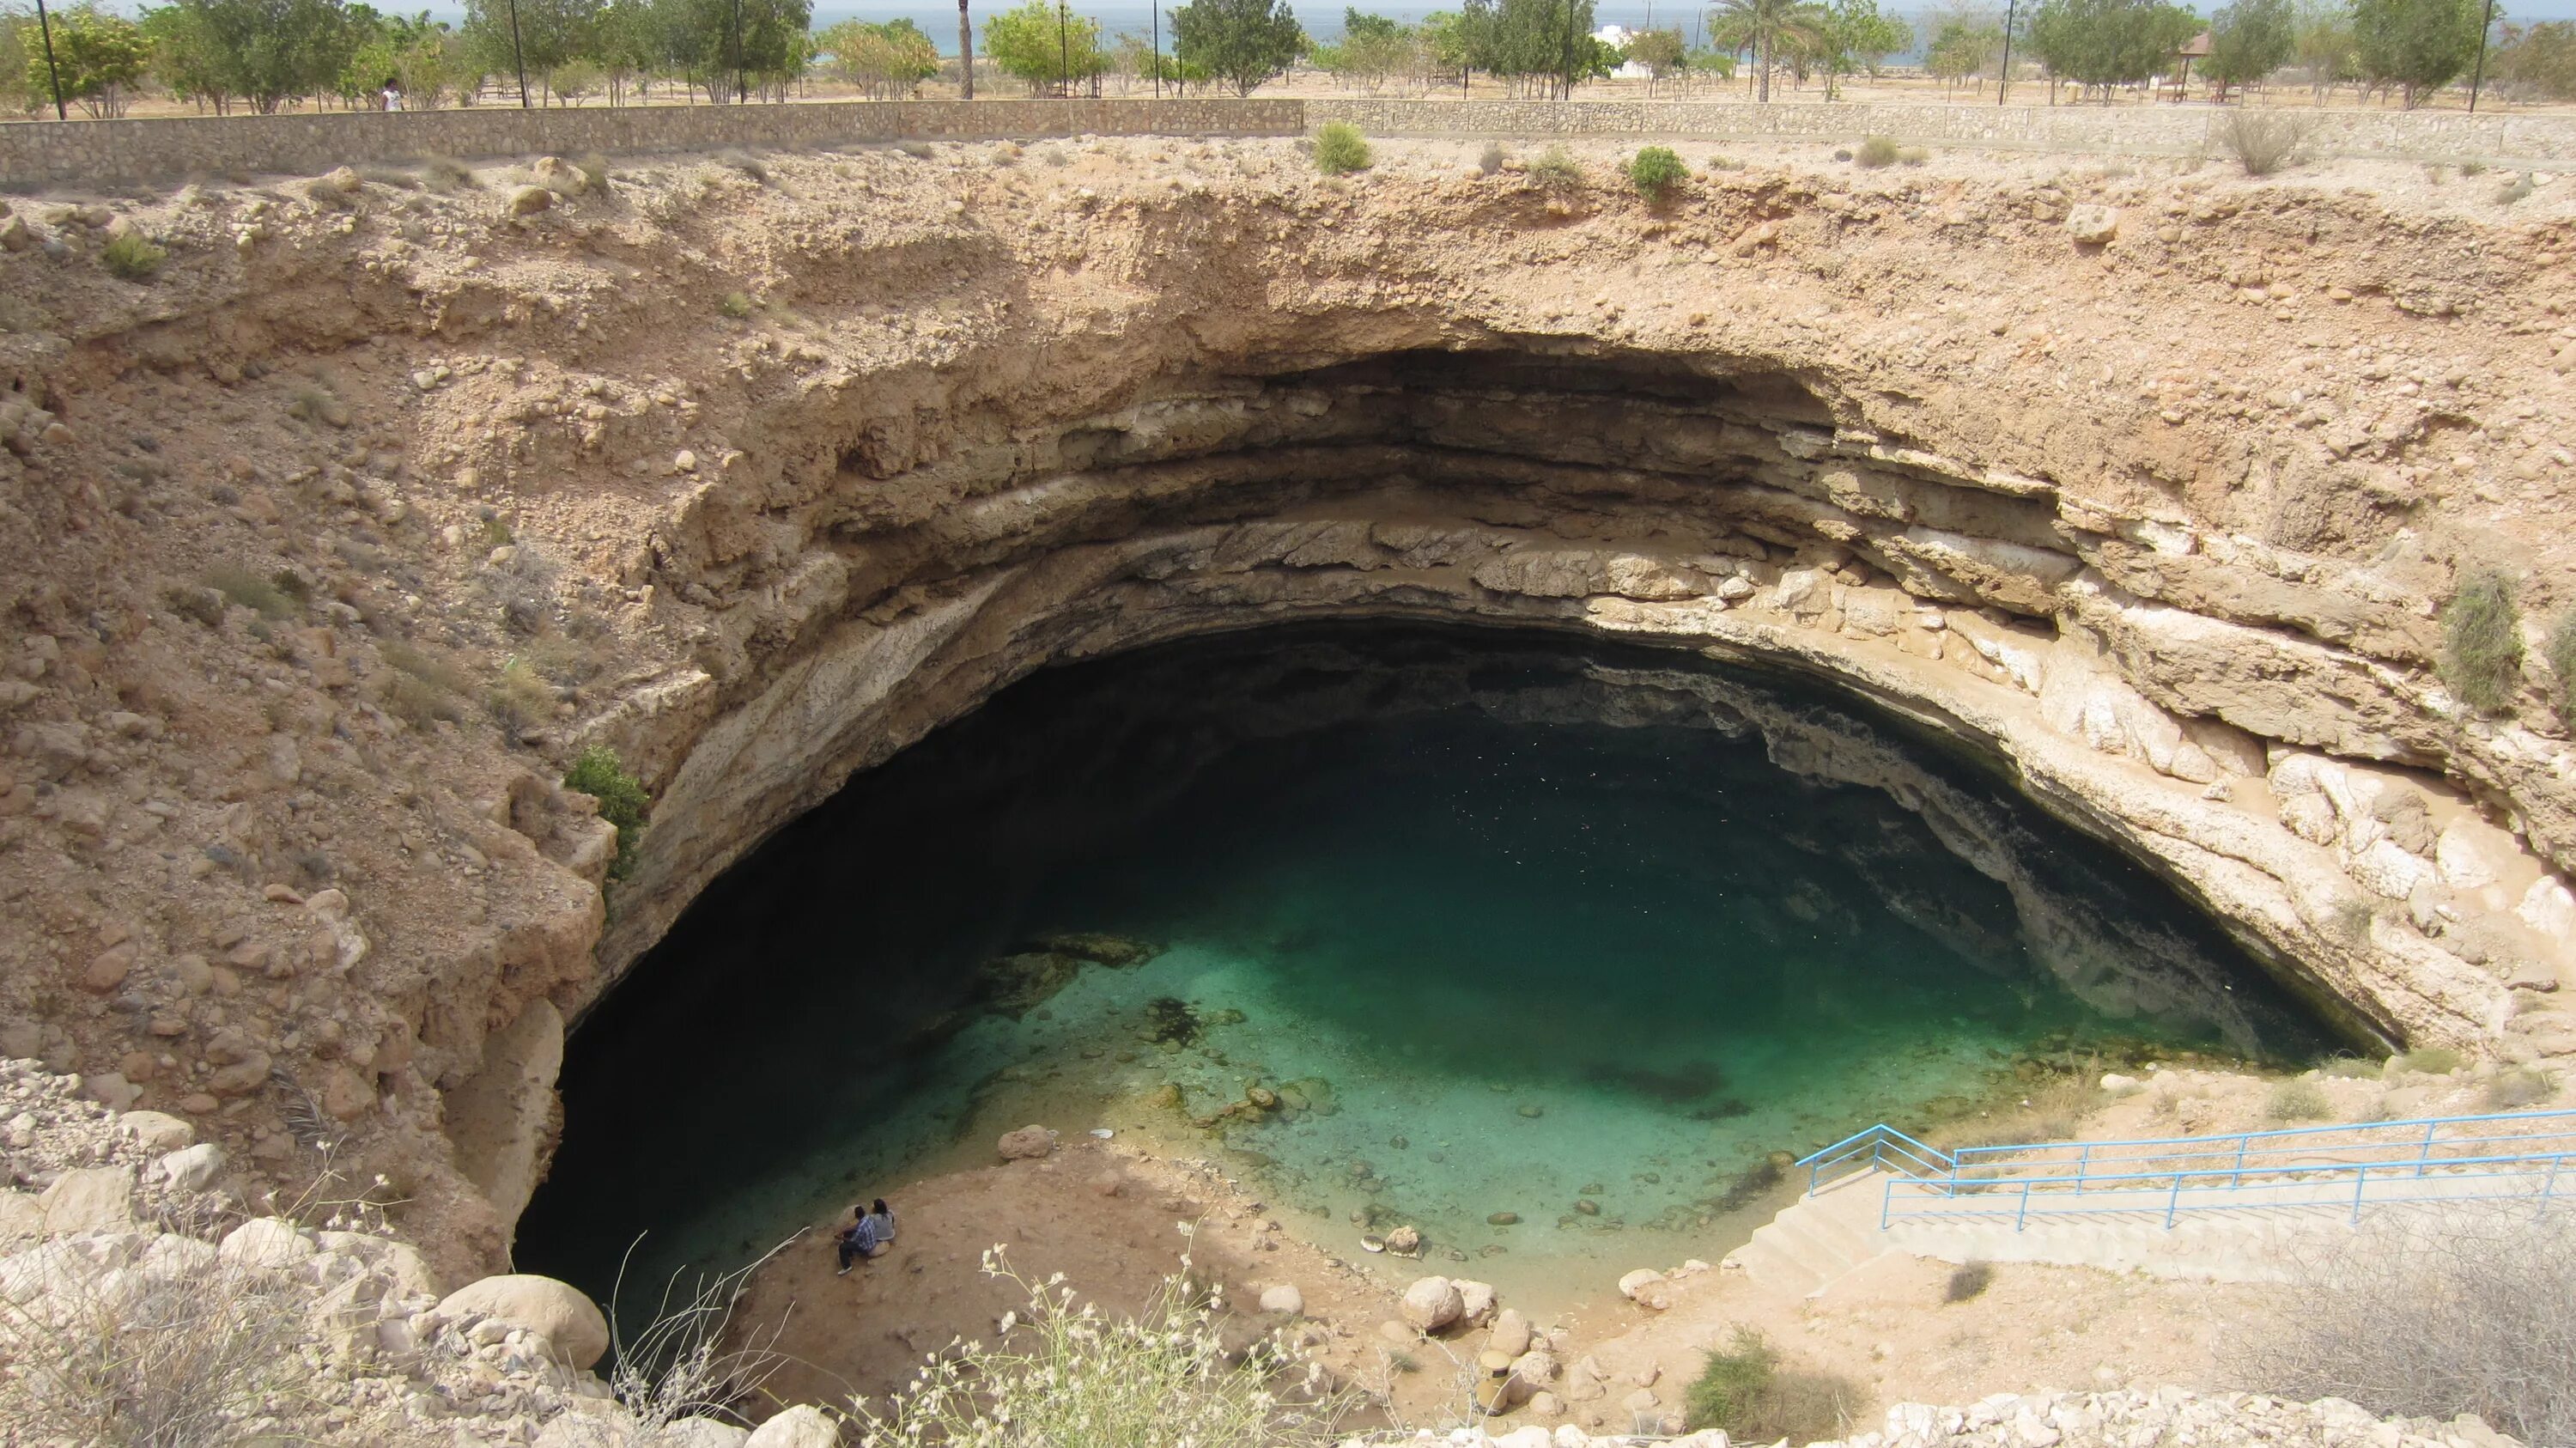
870, 1232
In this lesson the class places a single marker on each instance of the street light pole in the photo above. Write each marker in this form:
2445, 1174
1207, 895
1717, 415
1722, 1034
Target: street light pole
965, 54
1158, 49
739, 92
2479, 78
1063, 53
2003, 77
45, 23
518, 55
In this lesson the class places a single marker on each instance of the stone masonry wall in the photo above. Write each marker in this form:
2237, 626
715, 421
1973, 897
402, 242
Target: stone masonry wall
102, 153
2176, 130
93, 153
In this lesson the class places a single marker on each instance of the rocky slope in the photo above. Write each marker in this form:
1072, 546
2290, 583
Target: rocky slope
324, 548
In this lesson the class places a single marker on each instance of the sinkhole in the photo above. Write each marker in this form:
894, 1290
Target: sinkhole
1546, 947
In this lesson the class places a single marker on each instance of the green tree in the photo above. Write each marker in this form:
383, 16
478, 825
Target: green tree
2416, 46
184, 59
2102, 44
540, 35
1663, 53
99, 56
2538, 62
1965, 43
1766, 27
2249, 40
15, 95
1856, 36
732, 53
2321, 39
883, 61
1026, 42
1241, 42
1535, 46
271, 53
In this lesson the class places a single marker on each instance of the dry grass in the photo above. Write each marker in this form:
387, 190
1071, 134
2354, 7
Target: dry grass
1743, 1389
2296, 1101
170, 1358
2469, 1311
2263, 141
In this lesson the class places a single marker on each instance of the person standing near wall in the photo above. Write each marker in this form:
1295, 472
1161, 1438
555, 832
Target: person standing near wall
393, 94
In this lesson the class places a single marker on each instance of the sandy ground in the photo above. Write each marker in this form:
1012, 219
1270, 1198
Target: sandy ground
1111, 1217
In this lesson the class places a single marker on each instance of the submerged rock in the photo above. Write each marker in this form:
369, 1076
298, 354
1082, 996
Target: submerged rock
1013, 984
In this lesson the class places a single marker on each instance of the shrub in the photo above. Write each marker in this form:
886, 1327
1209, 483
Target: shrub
1875, 153
244, 589
171, 1358
202, 604
519, 700
1340, 149
2297, 1101
2352, 1068
2432, 1061
748, 165
1655, 170
2263, 141
1491, 159
1063, 1374
735, 305
1968, 1280
1724, 163
1913, 156
2561, 653
132, 255
444, 174
2518, 1087
2482, 642
1556, 170
599, 773
1744, 1390
2429, 1315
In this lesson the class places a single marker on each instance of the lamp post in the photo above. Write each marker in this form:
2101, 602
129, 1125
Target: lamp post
738, 90
965, 55
45, 23
2479, 77
1063, 53
1157, 12
518, 55
2003, 77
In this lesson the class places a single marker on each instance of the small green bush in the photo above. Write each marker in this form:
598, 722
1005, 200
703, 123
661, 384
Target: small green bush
2518, 1087
2352, 1068
1724, 163
2432, 1061
1340, 149
245, 589
1745, 1391
519, 700
1556, 170
1968, 1280
2482, 642
2562, 662
1913, 156
1655, 170
202, 604
1875, 153
2298, 1101
735, 305
600, 774
131, 255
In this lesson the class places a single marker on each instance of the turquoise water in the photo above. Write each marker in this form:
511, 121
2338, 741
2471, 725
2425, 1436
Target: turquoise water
1487, 926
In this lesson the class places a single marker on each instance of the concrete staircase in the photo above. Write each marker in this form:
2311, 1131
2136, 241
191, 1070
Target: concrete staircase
1817, 1239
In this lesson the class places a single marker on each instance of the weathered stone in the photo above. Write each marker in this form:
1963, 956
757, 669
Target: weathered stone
569, 1321
1026, 1144
1432, 1303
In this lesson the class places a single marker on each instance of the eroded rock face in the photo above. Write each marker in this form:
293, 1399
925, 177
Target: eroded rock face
324, 556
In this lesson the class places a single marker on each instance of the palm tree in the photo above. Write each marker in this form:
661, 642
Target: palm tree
1762, 26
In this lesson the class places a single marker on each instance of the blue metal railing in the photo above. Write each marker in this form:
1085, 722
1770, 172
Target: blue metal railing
2450, 1158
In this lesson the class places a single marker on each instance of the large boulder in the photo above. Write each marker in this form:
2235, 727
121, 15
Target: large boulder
555, 1311
803, 1426
1476, 1302
156, 1130
193, 1168
1026, 1144
267, 1242
90, 1199
1433, 1303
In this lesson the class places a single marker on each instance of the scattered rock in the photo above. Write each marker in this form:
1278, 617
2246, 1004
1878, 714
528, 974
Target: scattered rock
528, 200
558, 1312
2092, 225
803, 1426
1432, 1303
1029, 1143
1283, 1298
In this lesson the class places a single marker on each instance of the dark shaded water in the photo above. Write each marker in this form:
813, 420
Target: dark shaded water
1509, 924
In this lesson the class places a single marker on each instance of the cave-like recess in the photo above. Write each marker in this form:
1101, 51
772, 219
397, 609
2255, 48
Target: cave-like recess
767, 1054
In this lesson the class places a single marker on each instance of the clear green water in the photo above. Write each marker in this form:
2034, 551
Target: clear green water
1557, 929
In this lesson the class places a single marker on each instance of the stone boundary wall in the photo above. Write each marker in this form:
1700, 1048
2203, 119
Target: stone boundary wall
106, 153
2499, 139
98, 153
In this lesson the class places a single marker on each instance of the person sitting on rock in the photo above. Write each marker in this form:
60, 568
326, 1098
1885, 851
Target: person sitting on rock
883, 1217
857, 1240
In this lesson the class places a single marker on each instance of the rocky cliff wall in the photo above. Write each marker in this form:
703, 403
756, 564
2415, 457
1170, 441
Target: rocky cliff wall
330, 544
